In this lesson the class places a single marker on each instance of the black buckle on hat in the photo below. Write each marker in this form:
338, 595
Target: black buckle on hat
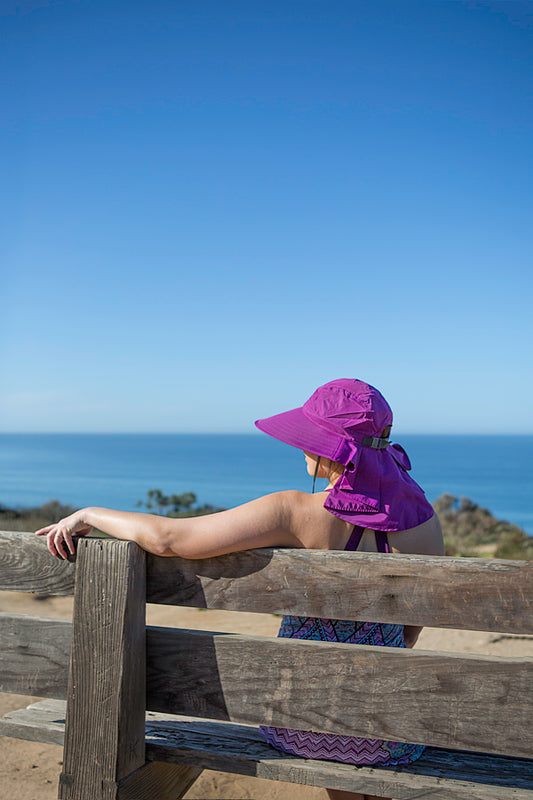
376, 442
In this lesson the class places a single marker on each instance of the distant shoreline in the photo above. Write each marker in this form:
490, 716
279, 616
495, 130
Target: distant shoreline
224, 469
469, 529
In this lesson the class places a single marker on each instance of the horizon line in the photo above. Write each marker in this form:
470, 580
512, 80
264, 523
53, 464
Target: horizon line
242, 433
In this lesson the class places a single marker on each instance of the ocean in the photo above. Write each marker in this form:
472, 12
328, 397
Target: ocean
117, 470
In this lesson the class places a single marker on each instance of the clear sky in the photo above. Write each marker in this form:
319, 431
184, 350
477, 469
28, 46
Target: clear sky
210, 207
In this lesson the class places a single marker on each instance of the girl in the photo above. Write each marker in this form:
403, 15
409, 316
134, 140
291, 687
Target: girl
370, 504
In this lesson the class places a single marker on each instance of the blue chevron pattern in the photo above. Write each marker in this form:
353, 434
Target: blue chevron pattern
332, 747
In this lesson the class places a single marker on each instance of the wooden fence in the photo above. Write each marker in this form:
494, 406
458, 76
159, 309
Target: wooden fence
456, 701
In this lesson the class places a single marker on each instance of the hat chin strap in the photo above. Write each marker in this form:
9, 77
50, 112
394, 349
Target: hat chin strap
316, 473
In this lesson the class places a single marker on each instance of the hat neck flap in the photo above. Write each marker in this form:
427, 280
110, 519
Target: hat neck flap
375, 490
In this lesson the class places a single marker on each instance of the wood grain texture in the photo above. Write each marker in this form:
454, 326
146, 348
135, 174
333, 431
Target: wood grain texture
39, 722
439, 774
456, 701
104, 738
475, 594
158, 779
442, 699
467, 593
35, 654
445, 700
27, 566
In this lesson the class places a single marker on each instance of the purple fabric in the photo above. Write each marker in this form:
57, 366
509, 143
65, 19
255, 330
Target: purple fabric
378, 493
375, 490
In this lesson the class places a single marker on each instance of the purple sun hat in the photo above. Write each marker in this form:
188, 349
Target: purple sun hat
344, 421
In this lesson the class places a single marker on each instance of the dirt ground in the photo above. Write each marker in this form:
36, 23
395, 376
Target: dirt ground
30, 771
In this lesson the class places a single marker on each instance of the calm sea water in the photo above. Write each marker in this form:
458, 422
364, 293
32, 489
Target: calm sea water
117, 470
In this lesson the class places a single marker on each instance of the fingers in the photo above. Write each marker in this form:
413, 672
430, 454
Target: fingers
58, 542
42, 531
51, 543
59, 535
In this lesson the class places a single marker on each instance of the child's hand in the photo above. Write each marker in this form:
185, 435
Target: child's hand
59, 535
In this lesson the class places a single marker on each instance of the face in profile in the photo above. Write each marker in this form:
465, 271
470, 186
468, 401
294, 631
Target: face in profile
311, 462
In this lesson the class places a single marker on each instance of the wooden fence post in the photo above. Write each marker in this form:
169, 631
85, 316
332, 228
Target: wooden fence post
105, 724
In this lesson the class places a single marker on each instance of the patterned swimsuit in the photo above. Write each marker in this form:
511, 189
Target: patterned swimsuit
332, 747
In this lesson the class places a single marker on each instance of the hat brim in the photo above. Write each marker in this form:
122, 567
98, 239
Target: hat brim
294, 428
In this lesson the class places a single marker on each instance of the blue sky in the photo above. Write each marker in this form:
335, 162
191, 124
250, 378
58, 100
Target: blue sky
210, 208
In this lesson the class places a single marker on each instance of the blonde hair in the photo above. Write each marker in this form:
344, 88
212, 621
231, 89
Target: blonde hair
335, 471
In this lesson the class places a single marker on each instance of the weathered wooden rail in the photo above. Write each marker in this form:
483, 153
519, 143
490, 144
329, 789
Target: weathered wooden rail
127, 683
